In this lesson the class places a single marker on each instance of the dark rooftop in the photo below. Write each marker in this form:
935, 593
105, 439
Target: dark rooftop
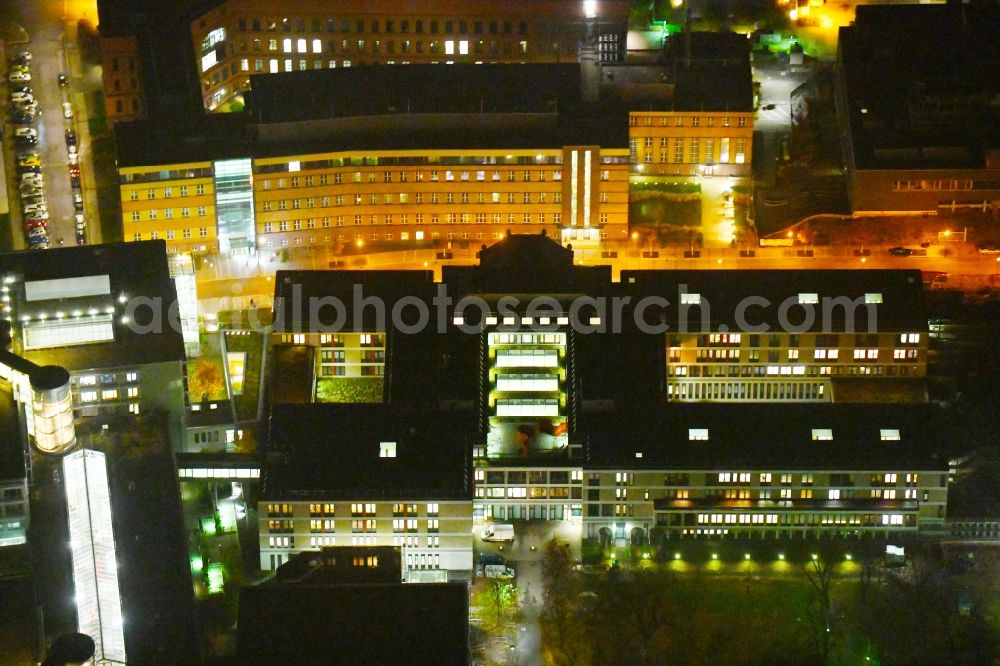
921, 84
11, 445
900, 292
315, 625
134, 270
748, 436
332, 452
717, 76
528, 106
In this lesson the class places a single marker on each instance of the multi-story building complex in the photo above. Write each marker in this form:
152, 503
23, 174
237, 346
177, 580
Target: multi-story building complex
914, 91
103, 314
381, 479
497, 148
238, 38
568, 391
691, 114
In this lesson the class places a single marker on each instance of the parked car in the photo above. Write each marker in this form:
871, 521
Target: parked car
989, 248
498, 571
26, 131
18, 77
38, 209
67, 110
18, 67
32, 171
63, 80
70, 138
23, 57
22, 88
80, 221
74, 170
900, 251
25, 140
32, 191
81, 237
34, 223
40, 244
17, 96
78, 202
31, 160
498, 533
34, 176
19, 117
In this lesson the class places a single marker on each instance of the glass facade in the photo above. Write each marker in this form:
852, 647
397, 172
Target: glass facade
234, 206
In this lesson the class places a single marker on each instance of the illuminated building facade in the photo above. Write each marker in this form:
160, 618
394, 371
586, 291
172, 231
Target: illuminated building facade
503, 148
102, 313
240, 38
558, 431
95, 567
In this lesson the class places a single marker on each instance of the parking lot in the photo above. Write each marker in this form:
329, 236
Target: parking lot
49, 208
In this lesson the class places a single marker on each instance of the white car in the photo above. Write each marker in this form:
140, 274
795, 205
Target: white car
21, 97
32, 178
36, 210
17, 77
67, 110
26, 131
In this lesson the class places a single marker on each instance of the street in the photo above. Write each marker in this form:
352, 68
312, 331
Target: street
46, 23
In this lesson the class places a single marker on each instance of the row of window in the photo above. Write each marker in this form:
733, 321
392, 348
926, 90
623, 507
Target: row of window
753, 356
536, 175
398, 525
170, 234
315, 46
822, 340
357, 509
388, 236
349, 25
389, 199
109, 394
719, 370
168, 213
434, 218
167, 192
885, 519
639, 120
693, 152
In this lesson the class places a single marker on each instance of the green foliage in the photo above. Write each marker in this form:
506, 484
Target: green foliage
206, 379
349, 389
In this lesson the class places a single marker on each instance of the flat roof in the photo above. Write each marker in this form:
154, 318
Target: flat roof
75, 297
333, 452
426, 623
763, 437
920, 83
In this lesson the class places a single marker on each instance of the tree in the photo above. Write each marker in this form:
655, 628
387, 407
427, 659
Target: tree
564, 632
501, 595
820, 573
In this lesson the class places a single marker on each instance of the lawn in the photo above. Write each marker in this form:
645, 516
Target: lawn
253, 346
349, 389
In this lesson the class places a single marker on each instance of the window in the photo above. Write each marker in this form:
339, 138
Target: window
690, 299
889, 434
698, 434
873, 298
822, 434
808, 299
387, 450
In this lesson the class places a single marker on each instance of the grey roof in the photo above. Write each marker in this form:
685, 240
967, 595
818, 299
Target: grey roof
135, 270
771, 437
901, 291
323, 625
331, 452
921, 84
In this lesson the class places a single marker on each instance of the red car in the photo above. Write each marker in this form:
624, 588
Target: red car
74, 169
34, 223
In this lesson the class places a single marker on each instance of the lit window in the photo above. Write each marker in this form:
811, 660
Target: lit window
889, 434
302, 45
387, 450
286, 45
873, 298
833, 493
690, 299
317, 46
822, 434
808, 299
698, 434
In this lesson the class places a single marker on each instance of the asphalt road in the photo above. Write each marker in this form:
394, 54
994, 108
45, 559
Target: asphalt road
44, 23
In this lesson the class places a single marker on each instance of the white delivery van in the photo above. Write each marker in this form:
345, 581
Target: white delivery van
498, 571
498, 533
